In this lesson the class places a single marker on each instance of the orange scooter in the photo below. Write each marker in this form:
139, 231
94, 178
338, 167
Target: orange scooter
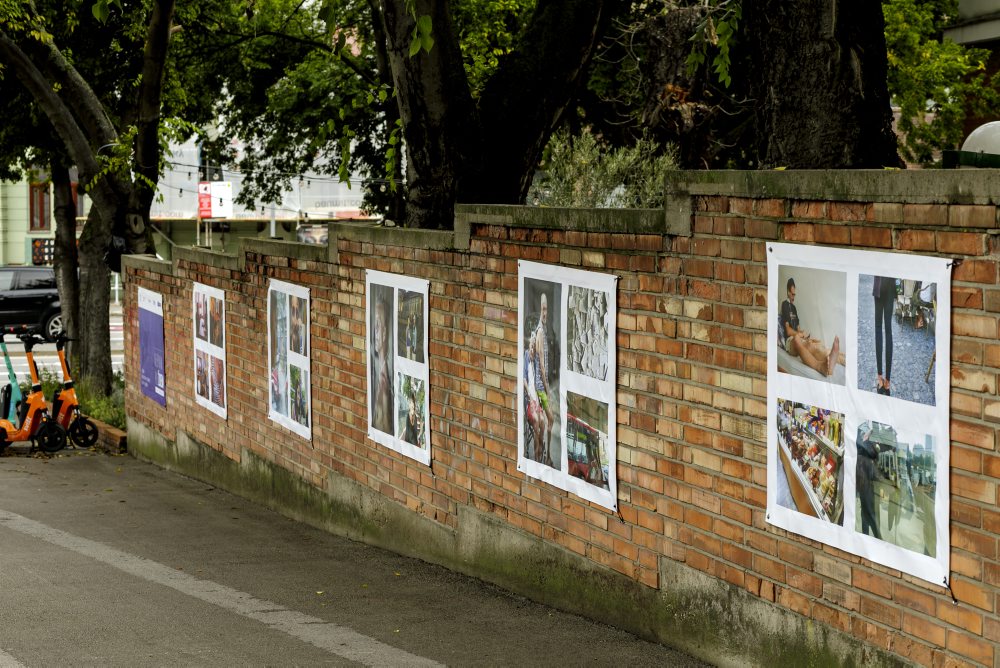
33, 413
66, 407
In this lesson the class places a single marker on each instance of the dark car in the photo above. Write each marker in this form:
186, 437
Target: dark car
28, 296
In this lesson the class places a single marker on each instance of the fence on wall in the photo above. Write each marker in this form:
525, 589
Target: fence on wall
398, 403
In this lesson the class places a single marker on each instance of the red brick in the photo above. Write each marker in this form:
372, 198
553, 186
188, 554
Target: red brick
802, 232
924, 628
963, 243
833, 234
969, 215
874, 237
925, 214
975, 271
762, 229
809, 209
917, 240
970, 646
854, 212
769, 208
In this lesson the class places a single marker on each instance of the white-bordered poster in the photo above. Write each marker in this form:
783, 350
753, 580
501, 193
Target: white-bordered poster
566, 401
289, 386
858, 436
398, 396
209, 311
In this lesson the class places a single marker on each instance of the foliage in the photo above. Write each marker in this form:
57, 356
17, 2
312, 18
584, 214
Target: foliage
935, 82
581, 172
488, 31
718, 29
109, 409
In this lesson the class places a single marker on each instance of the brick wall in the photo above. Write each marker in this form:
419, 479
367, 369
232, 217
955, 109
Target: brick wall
691, 387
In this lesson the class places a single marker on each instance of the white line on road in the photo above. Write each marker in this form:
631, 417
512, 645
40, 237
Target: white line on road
332, 638
7, 661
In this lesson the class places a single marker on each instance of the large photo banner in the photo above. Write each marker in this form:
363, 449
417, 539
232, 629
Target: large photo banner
152, 362
398, 396
566, 402
858, 359
289, 388
209, 308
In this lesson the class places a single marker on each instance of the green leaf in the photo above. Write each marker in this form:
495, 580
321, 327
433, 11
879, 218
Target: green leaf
414, 46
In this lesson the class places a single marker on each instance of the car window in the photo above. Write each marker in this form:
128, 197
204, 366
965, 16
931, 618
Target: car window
36, 280
6, 280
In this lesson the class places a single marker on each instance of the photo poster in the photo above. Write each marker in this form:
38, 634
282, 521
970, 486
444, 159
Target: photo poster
289, 384
209, 310
152, 361
857, 403
398, 395
566, 400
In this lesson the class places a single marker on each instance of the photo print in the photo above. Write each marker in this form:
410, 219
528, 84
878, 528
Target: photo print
411, 410
152, 360
811, 324
587, 332
542, 363
410, 332
896, 485
811, 449
859, 460
216, 331
278, 349
566, 380
896, 344
209, 324
587, 439
398, 370
201, 315
289, 391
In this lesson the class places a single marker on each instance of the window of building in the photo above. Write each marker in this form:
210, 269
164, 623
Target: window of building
39, 207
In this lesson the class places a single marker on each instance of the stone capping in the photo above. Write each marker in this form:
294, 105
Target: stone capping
211, 257
149, 263
293, 250
914, 186
614, 221
367, 232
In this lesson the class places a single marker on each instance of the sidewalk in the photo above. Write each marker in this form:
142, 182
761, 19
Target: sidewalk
111, 561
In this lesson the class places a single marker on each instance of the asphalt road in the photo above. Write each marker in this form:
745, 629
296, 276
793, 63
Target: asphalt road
108, 561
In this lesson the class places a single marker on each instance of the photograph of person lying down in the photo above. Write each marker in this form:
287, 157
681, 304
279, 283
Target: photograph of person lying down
811, 323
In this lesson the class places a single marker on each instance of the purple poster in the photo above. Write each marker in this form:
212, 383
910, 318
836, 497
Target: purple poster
151, 362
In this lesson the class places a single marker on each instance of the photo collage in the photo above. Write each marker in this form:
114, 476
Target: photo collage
398, 398
857, 439
209, 323
566, 380
289, 390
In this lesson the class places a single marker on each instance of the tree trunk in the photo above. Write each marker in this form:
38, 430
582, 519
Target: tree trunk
66, 258
821, 96
435, 104
525, 100
95, 337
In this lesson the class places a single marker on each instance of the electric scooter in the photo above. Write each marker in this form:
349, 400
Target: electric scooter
34, 423
10, 395
66, 407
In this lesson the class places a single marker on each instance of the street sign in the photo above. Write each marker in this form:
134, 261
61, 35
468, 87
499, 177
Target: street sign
204, 199
215, 199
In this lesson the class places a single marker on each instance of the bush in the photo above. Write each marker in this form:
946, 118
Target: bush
581, 172
108, 409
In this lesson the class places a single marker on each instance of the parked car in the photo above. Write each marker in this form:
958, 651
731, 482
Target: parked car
28, 297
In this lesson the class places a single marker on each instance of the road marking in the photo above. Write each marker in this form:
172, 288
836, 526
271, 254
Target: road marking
7, 661
332, 638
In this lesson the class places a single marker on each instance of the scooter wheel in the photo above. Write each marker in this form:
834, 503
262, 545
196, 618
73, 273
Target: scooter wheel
83, 432
51, 437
